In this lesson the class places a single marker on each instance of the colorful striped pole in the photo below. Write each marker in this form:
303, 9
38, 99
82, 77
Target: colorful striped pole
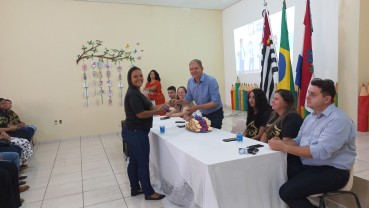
237, 98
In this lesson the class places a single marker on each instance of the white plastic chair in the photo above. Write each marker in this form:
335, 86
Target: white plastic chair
239, 126
344, 190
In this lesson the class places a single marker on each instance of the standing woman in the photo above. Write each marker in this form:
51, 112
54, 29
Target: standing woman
153, 85
139, 112
258, 113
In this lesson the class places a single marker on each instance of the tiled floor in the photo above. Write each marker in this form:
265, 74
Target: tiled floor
78, 172
91, 171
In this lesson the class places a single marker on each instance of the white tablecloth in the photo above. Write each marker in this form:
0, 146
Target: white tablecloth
199, 169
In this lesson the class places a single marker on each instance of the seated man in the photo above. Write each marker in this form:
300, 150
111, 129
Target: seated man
325, 144
172, 92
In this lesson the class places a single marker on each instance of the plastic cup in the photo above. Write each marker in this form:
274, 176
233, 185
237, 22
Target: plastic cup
162, 129
239, 136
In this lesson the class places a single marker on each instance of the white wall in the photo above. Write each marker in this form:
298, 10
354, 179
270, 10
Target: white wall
325, 36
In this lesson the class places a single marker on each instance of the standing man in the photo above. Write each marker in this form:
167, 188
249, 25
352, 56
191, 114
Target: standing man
204, 90
325, 144
241, 54
172, 92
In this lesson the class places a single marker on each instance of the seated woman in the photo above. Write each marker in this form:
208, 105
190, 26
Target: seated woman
258, 113
284, 123
15, 120
5, 124
178, 109
24, 144
154, 87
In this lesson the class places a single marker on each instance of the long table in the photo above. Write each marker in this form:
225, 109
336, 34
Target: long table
200, 170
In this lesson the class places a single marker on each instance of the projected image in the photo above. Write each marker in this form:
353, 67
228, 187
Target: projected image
247, 41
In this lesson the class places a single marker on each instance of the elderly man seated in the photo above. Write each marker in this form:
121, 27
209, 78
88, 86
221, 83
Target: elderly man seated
325, 144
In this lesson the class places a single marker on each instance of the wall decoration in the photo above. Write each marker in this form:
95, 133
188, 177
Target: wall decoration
90, 51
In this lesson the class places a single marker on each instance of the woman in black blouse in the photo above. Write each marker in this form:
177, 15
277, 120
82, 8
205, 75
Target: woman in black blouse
139, 112
258, 113
284, 123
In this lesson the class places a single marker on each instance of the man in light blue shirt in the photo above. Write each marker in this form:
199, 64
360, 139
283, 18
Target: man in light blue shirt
204, 90
325, 144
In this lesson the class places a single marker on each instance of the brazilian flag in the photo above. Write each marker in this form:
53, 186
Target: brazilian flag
285, 69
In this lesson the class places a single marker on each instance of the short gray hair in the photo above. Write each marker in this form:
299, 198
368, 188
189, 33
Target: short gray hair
197, 61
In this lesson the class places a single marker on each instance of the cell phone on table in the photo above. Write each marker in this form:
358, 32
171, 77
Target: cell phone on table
181, 126
162, 118
257, 145
180, 121
230, 139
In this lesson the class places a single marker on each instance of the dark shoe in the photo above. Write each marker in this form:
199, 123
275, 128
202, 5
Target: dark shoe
22, 177
22, 200
22, 183
151, 198
25, 166
137, 193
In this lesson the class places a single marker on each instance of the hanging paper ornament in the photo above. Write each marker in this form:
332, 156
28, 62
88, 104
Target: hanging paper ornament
101, 84
119, 67
101, 75
83, 66
120, 77
110, 102
108, 73
107, 65
108, 83
102, 92
93, 64
99, 65
110, 92
93, 73
84, 76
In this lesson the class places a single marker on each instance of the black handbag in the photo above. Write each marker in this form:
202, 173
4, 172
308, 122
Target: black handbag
125, 147
5, 143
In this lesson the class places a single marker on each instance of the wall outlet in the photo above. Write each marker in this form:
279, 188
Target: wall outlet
56, 122
60, 121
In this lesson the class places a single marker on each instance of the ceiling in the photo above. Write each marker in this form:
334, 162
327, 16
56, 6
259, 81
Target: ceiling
193, 4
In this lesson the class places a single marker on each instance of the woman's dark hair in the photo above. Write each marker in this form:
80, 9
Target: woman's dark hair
288, 97
157, 77
129, 76
326, 86
261, 106
183, 89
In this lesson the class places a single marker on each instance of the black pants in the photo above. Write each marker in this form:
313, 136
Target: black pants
307, 180
9, 186
216, 118
19, 134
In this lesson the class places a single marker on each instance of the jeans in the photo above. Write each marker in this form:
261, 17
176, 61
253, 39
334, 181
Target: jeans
138, 166
34, 129
11, 157
216, 118
251, 64
308, 180
29, 131
12, 148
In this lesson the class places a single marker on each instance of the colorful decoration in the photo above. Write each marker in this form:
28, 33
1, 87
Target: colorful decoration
232, 95
363, 110
166, 108
199, 124
114, 55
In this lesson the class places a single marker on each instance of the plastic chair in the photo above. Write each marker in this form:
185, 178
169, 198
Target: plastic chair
344, 190
239, 126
